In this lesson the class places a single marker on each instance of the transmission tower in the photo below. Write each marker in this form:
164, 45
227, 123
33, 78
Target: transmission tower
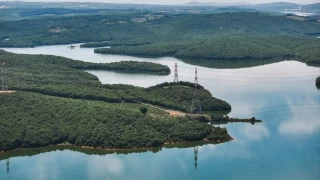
196, 103
176, 73
196, 78
4, 85
195, 149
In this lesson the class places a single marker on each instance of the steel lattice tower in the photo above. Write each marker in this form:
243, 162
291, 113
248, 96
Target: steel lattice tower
4, 85
196, 78
176, 73
196, 103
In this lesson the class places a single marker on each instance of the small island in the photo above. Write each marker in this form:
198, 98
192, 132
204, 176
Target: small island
318, 82
130, 66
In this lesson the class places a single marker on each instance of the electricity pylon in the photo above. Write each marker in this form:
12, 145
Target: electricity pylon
4, 85
176, 73
196, 103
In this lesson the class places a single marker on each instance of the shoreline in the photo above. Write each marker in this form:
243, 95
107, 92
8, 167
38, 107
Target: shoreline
202, 142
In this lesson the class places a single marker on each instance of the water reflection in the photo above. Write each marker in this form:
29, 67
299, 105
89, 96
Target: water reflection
195, 150
105, 167
301, 122
254, 133
8, 165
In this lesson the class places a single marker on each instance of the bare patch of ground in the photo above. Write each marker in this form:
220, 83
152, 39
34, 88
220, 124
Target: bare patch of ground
7, 92
58, 30
171, 112
175, 113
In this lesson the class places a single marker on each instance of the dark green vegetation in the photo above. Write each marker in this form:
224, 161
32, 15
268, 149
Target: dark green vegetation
318, 82
157, 28
143, 110
218, 134
226, 36
35, 120
58, 76
109, 43
82, 111
130, 66
245, 48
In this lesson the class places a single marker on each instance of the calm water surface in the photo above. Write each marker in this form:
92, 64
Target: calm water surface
285, 146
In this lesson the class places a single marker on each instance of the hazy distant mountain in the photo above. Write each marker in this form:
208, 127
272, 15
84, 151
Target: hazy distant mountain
195, 3
314, 8
278, 4
191, 7
276, 7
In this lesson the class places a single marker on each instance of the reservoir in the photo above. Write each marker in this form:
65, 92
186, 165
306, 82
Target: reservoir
286, 145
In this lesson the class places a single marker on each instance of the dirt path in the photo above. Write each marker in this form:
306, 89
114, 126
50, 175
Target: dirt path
175, 113
171, 112
6, 92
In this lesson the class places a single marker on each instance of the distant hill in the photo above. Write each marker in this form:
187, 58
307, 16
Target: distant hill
195, 3
279, 4
314, 8
277, 7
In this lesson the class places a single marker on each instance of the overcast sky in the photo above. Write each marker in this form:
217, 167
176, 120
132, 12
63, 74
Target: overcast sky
179, 1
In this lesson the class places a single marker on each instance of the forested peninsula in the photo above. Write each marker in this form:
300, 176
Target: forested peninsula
240, 36
54, 101
256, 48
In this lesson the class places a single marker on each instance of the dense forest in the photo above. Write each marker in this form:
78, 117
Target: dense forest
224, 36
230, 48
56, 101
34, 120
132, 66
110, 43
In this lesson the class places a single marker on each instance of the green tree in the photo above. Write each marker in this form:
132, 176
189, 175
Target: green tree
143, 110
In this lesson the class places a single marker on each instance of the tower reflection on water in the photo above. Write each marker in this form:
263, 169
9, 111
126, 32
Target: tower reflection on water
8, 165
195, 149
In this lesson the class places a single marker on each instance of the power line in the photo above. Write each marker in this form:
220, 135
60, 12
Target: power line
196, 103
280, 107
252, 77
253, 80
225, 71
176, 73
300, 111
4, 85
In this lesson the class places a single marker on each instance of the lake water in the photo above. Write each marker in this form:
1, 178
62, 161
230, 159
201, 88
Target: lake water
285, 146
